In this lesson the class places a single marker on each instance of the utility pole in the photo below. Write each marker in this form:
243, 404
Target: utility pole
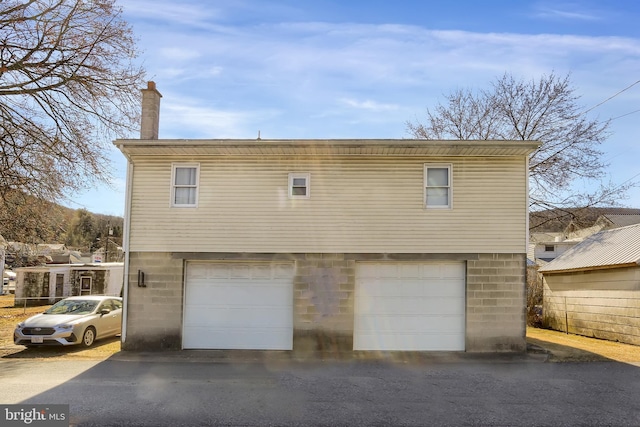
106, 248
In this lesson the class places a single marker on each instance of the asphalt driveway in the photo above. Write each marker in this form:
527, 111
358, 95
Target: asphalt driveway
148, 391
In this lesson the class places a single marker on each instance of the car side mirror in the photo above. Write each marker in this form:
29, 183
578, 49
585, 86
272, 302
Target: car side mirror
105, 311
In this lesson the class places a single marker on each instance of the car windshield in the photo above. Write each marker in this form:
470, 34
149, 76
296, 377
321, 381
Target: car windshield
72, 307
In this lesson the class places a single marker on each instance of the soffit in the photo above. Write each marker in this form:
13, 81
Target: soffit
327, 147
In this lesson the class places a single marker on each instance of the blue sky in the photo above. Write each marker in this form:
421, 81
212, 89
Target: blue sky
361, 69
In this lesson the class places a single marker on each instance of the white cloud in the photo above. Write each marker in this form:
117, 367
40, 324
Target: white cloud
316, 79
571, 11
178, 54
186, 117
368, 105
171, 12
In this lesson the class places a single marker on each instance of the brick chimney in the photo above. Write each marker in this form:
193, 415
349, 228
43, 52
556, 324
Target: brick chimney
150, 112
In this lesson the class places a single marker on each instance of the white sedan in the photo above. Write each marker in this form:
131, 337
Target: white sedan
73, 320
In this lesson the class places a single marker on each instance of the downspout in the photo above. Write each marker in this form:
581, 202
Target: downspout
526, 245
527, 200
125, 244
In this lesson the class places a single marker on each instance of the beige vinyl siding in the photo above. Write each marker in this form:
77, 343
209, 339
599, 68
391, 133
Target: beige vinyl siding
357, 205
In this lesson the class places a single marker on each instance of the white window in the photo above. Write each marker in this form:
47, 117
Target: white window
184, 185
437, 183
549, 248
299, 185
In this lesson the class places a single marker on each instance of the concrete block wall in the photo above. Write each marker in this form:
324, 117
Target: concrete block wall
154, 316
323, 312
323, 303
496, 303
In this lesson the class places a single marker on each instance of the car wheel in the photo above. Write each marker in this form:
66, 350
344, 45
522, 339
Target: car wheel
89, 336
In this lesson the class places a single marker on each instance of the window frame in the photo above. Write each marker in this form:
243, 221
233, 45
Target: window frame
174, 186
449, 187
83, 289
297, 175
549, 248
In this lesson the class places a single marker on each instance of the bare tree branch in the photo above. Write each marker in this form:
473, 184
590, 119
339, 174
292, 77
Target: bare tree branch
545, 110
68, 86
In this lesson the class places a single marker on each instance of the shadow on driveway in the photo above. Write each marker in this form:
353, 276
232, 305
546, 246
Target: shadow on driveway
160, 389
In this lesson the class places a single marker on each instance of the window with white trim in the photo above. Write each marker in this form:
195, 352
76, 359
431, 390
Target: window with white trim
85, 285
299, 185
184, 185
437, 183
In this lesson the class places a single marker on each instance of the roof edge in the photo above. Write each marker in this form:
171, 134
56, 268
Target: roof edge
590, 268
330, 146
330, 142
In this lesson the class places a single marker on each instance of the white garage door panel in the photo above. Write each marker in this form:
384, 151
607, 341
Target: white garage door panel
398, 306
238, 306
410, 306
230, 317
388, 342
256, 339
239, 294
411, 324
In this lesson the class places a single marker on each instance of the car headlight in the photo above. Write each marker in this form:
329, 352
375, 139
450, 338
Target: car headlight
65, 326
21, 325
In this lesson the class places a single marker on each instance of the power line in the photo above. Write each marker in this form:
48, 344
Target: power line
627, 114
613, 96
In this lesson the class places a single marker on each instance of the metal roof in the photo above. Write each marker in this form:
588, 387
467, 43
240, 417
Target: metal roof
320, 147
622, 220
619, 247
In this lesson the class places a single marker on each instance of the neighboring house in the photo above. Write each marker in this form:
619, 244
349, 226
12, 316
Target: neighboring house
116, 254
49, 283
547, 251
604, 222
324, 245
57, 253
8, 282
594, 288
19, 254
545, 247
619, 220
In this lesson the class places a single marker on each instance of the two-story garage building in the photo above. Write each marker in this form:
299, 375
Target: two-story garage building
334, 245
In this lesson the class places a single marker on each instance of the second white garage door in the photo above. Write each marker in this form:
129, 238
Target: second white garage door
410, 306
238, 306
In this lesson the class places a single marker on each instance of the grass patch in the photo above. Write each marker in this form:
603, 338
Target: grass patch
576, 348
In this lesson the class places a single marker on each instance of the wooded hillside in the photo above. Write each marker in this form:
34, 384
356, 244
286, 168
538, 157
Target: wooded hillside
555, 220
76, 228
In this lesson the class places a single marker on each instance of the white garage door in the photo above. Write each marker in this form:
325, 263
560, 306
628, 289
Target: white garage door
410, 306
238, 306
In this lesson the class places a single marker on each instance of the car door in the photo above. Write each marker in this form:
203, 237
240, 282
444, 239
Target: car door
109, 324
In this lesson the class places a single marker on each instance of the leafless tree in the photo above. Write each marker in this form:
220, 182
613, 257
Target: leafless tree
544, 110
68, 84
